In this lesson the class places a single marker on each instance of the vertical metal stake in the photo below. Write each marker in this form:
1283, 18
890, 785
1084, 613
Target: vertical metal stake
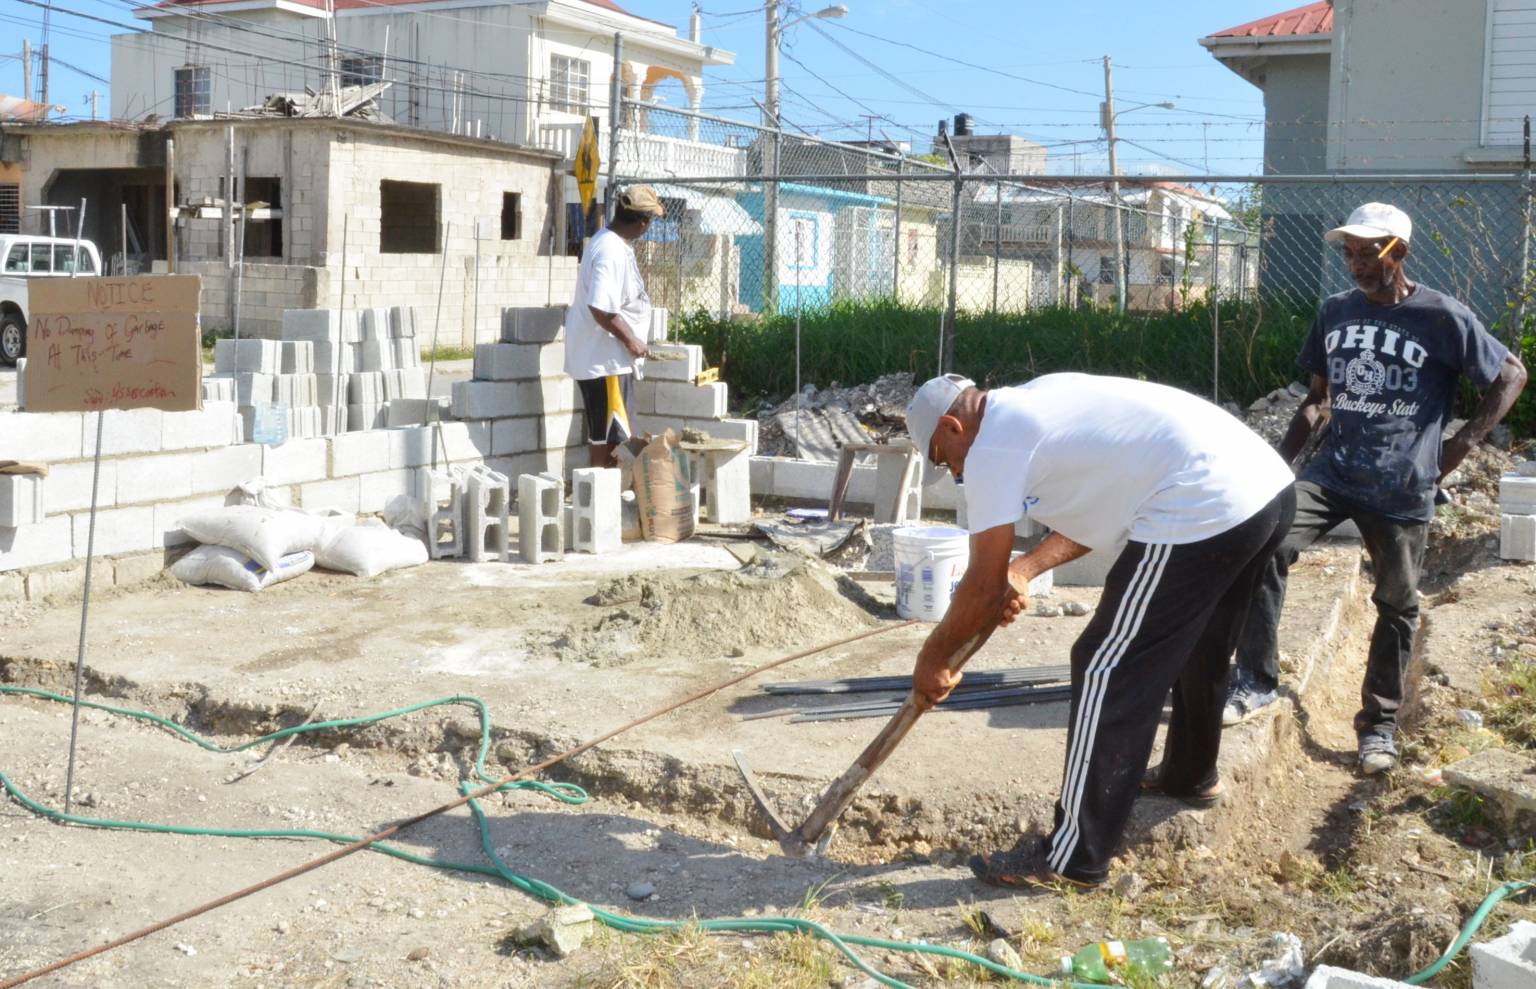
997, 248
123, 233
896, 235
799, 309
1214, 294
474, 316
433, 421
85, 610
341, 410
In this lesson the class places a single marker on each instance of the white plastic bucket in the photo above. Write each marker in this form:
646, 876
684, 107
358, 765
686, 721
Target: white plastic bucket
930, 560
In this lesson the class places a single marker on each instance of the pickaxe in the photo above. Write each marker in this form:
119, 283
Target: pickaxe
814, 835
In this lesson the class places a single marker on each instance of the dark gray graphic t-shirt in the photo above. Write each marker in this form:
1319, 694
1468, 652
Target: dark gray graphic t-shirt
1392, 376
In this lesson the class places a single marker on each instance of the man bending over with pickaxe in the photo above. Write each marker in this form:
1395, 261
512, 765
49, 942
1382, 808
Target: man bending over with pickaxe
1192, 504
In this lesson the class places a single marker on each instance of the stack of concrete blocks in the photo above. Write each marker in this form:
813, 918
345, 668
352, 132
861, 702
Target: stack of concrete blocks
440, 498
1507, 963
1517, 514
540, 518
596, 524
360, 360
280, 372
487, 515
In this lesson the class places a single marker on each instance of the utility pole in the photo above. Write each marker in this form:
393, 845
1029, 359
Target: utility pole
26, 69
771, 63
869, 136
1114, 184
94, 97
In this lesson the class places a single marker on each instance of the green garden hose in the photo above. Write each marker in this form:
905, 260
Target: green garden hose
571, 794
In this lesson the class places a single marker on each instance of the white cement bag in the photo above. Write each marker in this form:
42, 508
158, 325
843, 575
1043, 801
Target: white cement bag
263, 534
369, 549
231, 568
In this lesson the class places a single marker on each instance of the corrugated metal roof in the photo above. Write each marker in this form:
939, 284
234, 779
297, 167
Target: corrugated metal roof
1314, 18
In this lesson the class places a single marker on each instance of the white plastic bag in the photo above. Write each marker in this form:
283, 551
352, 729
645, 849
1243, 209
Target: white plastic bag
233, 569
369, 549
263, 534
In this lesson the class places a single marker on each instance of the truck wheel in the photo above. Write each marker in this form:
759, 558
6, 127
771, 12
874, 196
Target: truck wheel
13, 339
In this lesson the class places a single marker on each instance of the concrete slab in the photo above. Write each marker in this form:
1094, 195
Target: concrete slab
1507, 782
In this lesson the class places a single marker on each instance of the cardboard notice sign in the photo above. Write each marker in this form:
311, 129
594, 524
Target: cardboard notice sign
114, 343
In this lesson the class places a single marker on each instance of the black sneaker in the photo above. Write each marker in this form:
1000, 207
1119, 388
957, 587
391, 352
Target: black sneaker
1378, 751
1247, 697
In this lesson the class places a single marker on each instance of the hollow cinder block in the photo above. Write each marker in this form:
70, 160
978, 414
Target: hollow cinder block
541, 522
597, 514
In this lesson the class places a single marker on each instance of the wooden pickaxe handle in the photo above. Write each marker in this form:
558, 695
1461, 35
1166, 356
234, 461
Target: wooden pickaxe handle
842, 791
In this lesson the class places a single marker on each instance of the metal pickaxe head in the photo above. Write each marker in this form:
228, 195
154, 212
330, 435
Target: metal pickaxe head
791, 840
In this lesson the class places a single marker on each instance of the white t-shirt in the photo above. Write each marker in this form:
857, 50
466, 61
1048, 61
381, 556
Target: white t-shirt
608, 279
1102, 460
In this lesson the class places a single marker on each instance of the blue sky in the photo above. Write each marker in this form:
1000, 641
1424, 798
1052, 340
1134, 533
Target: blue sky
1057, 46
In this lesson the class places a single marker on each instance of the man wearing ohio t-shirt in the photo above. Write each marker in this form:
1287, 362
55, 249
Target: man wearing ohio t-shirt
1388, 356
1189, 502
609, 318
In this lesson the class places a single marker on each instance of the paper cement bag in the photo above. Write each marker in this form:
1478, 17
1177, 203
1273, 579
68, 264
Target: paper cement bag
663, 492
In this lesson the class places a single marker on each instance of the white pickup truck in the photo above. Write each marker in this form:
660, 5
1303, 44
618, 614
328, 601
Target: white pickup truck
24, 257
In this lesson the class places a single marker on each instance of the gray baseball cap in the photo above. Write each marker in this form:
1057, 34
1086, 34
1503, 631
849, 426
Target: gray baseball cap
931, 403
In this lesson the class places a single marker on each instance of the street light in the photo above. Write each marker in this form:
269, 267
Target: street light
1108, 113
775, 35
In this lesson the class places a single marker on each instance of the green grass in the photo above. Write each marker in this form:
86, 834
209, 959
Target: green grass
446, 353
1513, 691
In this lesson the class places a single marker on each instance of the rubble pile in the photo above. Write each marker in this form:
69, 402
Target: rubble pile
880, 407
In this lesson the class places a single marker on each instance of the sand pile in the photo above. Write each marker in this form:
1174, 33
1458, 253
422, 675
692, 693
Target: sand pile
666, 616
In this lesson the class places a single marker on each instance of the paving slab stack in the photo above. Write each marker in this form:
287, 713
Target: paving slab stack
1517, 514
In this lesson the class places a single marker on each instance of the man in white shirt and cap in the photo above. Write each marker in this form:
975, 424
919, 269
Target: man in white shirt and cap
1190, 503
608, 322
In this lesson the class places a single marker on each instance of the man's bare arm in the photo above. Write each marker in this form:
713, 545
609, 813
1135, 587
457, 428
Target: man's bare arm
974, 610
1307, 416
614, 325
1495, 404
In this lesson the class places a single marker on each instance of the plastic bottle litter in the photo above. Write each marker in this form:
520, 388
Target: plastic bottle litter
1112, 961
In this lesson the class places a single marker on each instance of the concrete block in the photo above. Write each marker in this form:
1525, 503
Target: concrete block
151, 479
21, 500
331, 389
379, 488
1088, 570
402, 321
761, 474
68, 486
532, 324
418, 411
44, 437
375, 355
219, 388
686, 363
898, 488
406, 353
27, 546
558, 430
359, 453
366, 388
296, 462
510, 437
219, 471
61, 582
596, 524
487, 521
1330, 977
405, 382
552, 393
320, 324
334, 357
375, 323
541, 521
1517, 494
127, 431
661, 328
343, 494
13, 586
642, 400
410, 446
259, 356
366, 416
118, 530
295, 390
1517, 537
1508, 962
212, 425
130, 571
297, 356
168, 516
691, 401
440, 494
484, 400
253, 388
518, 361
744, 430
724, 481
465, 440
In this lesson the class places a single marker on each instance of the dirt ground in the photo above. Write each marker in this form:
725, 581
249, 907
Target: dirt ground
1372, 874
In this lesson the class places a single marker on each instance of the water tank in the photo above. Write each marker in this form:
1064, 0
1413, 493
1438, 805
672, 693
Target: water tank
963, 125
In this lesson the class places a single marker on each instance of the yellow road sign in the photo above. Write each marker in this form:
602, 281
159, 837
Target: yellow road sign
588, 163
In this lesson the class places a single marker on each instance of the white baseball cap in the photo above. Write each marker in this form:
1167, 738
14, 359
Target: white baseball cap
1373, 221
931, 403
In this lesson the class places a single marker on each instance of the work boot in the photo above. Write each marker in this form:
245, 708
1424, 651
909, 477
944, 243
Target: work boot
1378, 752
1247, 696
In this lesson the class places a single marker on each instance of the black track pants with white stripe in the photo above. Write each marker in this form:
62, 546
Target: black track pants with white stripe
1169, 618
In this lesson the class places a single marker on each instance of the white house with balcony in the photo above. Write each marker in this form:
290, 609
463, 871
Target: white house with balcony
527, 73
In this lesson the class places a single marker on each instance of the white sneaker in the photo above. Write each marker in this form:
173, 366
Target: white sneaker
1378, 753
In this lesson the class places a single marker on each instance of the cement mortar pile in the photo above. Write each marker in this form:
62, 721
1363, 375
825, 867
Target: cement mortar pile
664, 616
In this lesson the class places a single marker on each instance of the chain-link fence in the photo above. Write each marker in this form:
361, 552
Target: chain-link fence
760, 221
